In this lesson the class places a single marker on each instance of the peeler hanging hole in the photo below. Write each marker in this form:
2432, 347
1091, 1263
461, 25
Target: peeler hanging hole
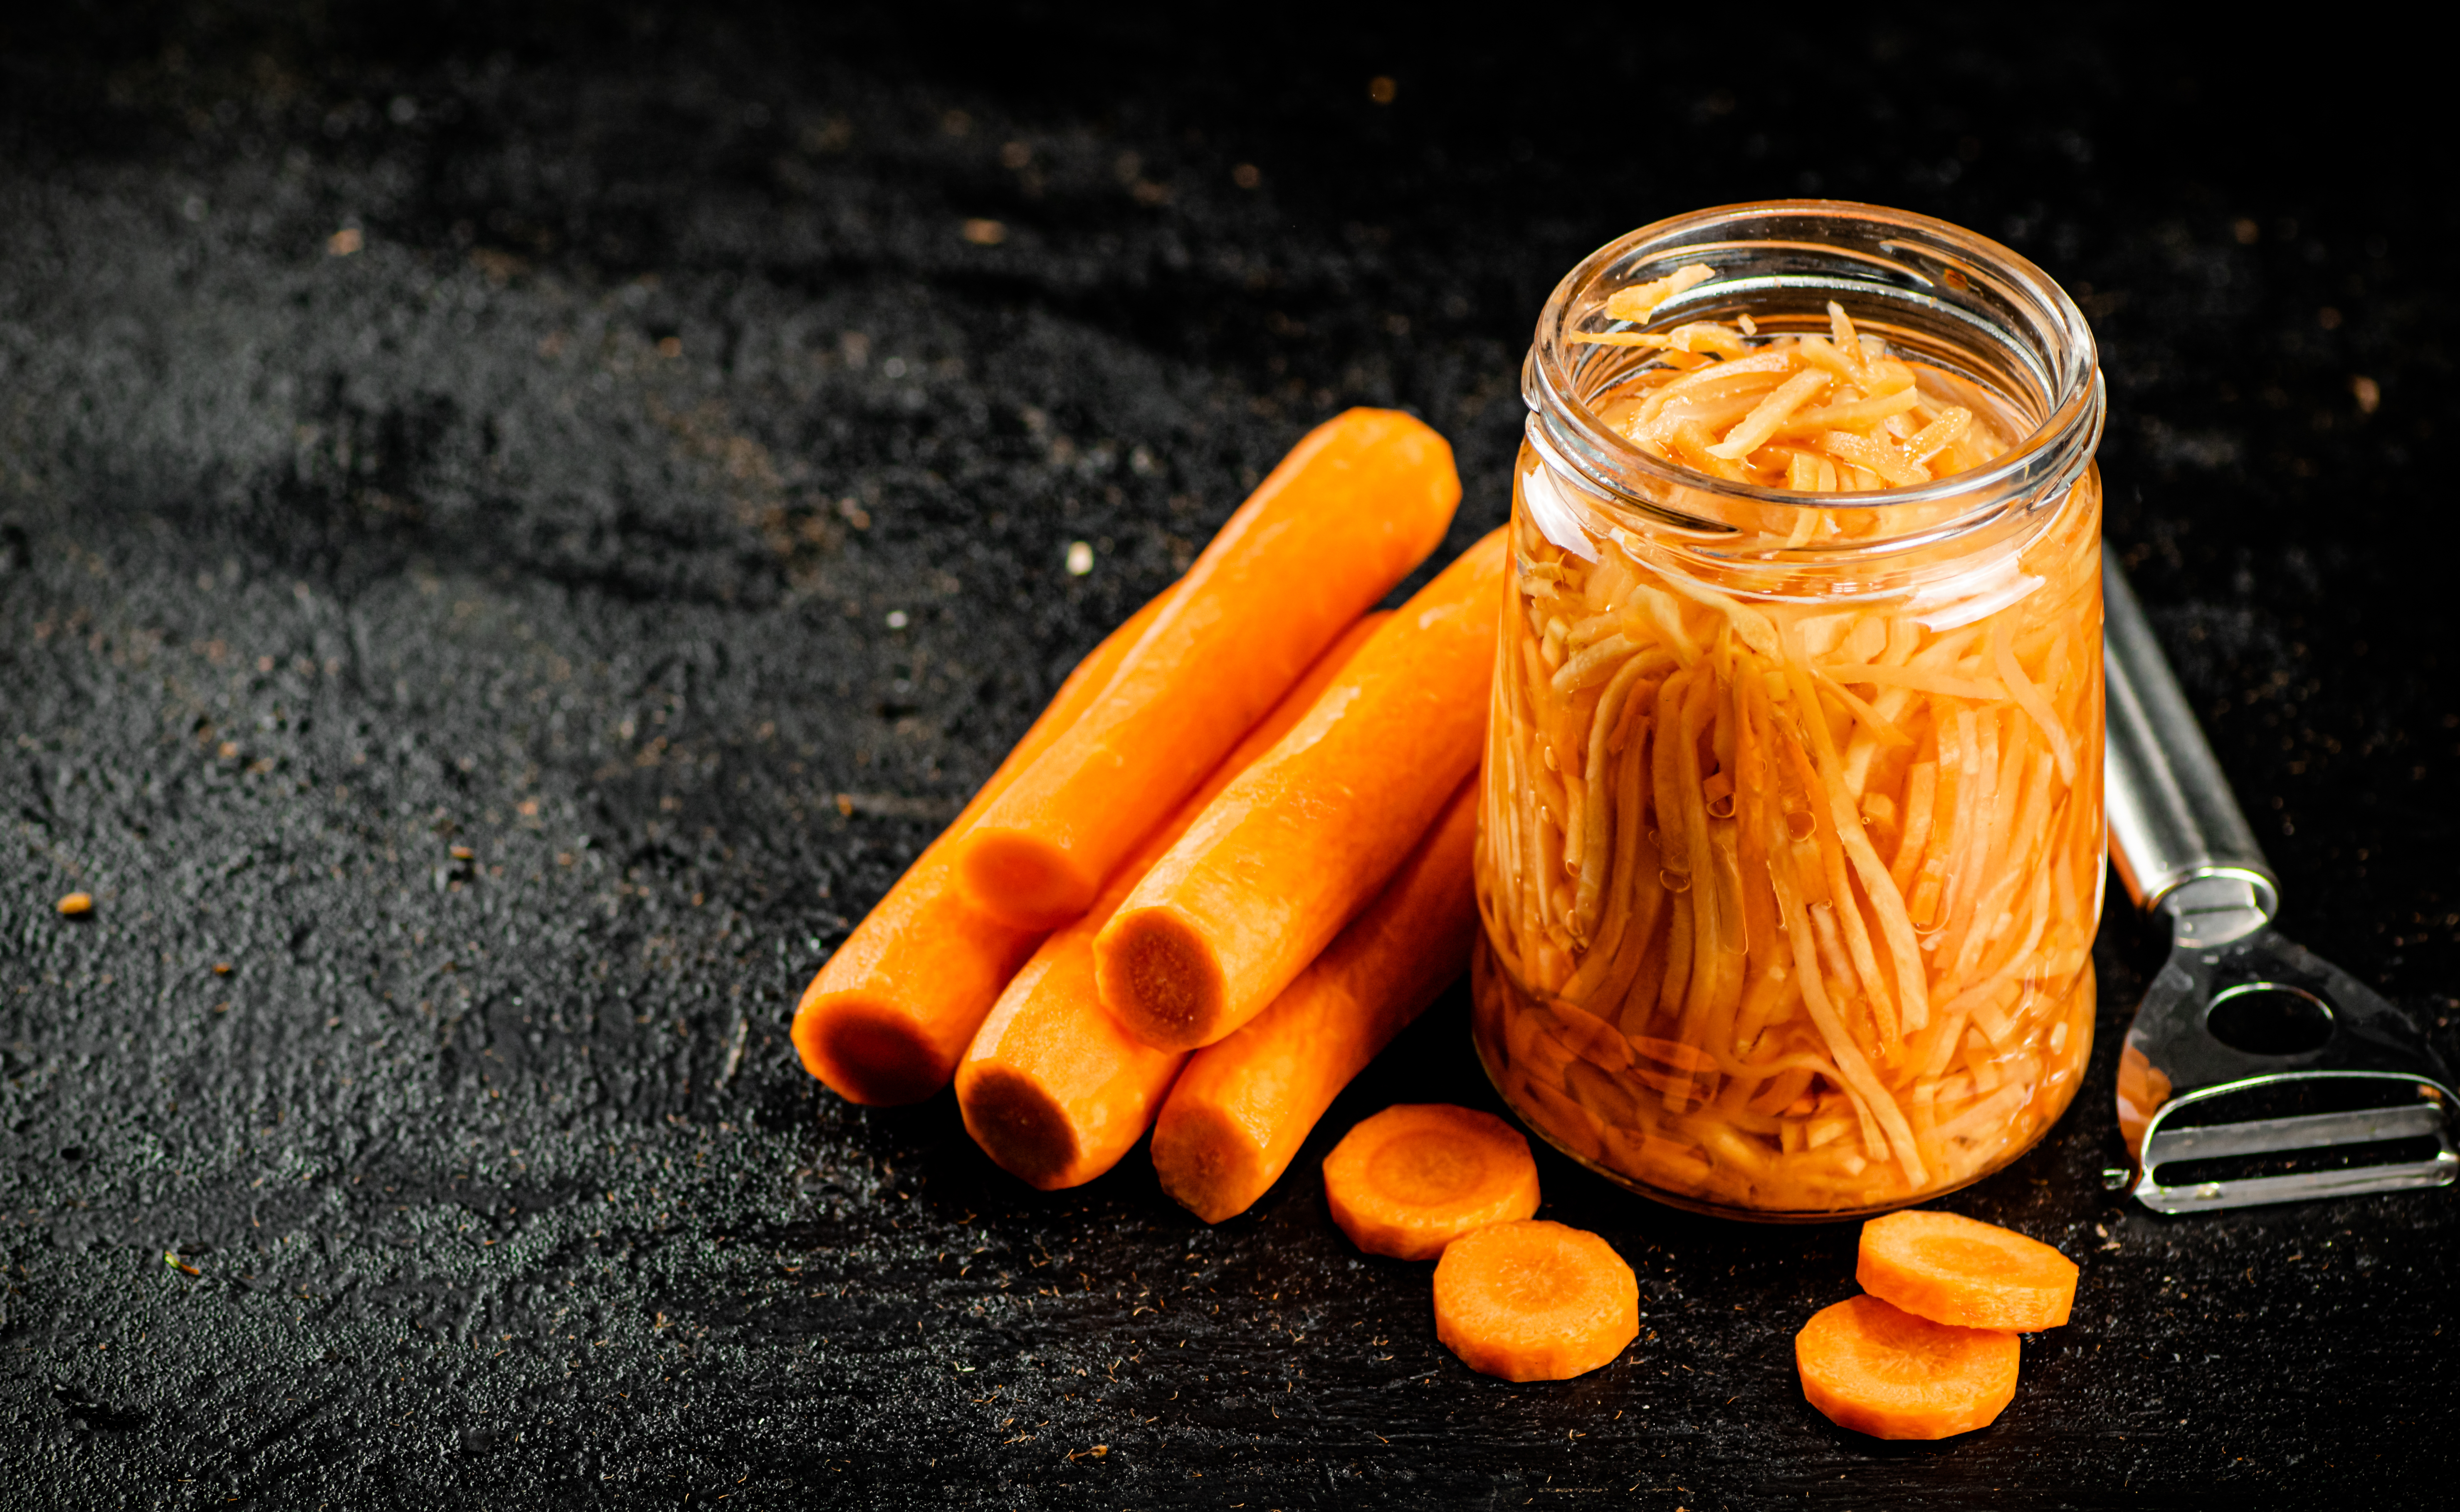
2269, 1018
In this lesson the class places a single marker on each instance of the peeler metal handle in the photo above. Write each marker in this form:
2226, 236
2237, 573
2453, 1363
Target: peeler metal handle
2173, 819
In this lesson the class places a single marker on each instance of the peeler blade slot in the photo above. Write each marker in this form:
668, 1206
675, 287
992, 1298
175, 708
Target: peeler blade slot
2258, 1136
2303, 1186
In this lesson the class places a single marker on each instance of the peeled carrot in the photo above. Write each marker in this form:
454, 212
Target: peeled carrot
891, 1009
1362, 500
1306, 838
1534, 1301
1878, 1370
1418, 1175
1053, 1089
1243, 1107
1975, 1275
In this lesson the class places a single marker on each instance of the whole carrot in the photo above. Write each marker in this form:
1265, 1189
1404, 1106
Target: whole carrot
1053, 1089
1243, 1107
1305, 839
1346, 515
889, 1013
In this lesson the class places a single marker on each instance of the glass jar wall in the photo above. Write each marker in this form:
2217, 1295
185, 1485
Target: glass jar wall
1790, 843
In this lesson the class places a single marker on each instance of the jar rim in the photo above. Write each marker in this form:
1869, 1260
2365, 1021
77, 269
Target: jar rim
2053, 452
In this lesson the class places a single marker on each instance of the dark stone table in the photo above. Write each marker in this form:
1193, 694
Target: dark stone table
515, 524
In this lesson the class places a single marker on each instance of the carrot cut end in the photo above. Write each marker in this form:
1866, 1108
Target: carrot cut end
1534, 1301
1877, 1368
1024, 1132
1417, 1176
1157, 977
868, 1052
1957, 1271
1207, 1163
1023, 879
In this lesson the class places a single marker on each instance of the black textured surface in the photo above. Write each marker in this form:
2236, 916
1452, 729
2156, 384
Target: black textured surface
667, 506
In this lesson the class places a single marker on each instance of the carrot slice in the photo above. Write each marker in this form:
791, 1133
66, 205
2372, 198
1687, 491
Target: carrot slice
1307, 837
1878, 1370
1346, 515
1534, 1301
887, 1015
1418, 1175
1975, 1275
1240, 1110
1053, 1089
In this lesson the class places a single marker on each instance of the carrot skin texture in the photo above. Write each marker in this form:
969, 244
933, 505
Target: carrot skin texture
1306, 838
1360, 500
889, 1013
1051, 1087
1534, 1301
1871, 1367
1244, 1106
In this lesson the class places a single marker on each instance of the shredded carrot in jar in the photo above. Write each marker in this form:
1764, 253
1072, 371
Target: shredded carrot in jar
1811, 414
1789, 903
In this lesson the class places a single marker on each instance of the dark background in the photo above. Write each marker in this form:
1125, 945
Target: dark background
564, 523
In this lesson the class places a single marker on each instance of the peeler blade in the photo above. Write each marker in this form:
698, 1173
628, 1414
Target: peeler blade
2254, 1071
2210, 1122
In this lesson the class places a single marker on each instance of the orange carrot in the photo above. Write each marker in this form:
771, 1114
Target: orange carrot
1242, 1109
1878, 1370
889, 1013
1306, 838
1534, 1301
1362, 500
1418, 1175
1053, 1089
1974, 1275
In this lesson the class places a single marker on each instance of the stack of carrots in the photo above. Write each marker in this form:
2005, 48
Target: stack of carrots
1225, 866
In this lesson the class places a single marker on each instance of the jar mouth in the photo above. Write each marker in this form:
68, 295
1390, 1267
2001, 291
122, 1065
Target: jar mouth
1956, 299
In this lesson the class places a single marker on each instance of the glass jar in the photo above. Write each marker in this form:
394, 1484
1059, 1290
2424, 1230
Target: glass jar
1790, 839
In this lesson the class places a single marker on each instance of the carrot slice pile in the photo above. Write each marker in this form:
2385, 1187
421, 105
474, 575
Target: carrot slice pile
1053, 1089
1534, 1301
1417, 1176
887, 1017
1957, 1270
1878, 1370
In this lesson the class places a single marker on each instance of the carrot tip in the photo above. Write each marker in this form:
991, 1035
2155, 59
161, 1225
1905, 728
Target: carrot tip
1024, 881
867, 1052
1020, 1128
1157, 974
1206, 1162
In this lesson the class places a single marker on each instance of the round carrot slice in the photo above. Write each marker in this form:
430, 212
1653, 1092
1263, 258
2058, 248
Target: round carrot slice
1878, 1370
1418, 1175
1975, 1275
1534, 1301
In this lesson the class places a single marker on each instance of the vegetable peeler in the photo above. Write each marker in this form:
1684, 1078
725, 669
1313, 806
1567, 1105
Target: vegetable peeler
2255, 1071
